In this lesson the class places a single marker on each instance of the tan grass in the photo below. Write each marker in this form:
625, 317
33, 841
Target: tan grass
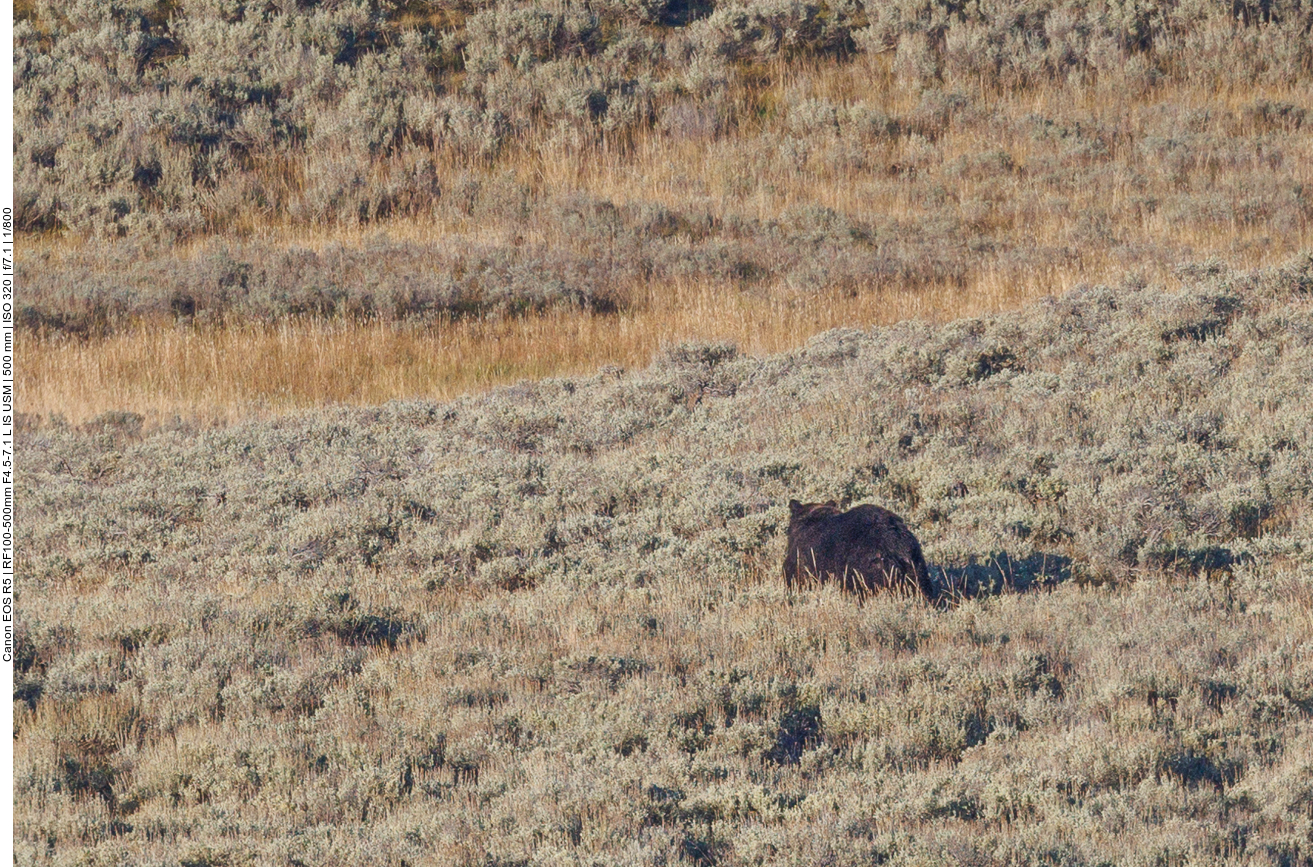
652, 167
247, 369
220, 374
194, 693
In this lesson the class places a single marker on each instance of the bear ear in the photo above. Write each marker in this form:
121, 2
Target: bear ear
794, 507
832, 503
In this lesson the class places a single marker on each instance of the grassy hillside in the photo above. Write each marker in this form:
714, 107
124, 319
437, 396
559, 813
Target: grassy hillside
181, 117
238, 166
545, 624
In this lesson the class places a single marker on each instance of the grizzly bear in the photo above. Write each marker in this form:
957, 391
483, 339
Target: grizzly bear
865, 548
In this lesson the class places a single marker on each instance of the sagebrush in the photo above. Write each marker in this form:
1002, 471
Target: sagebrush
547, 624
427, 159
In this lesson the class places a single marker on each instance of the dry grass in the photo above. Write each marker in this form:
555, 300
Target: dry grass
221, 374
1030, 228
546, 625
731, 175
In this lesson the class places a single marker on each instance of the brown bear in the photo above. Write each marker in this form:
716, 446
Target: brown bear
865, 548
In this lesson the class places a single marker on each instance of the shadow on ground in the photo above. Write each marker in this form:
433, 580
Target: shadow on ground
1001, 572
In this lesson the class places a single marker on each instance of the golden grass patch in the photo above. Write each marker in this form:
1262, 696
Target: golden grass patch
219, 374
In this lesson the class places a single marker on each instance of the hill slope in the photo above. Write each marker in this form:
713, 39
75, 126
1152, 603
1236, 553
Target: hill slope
410, 160
545, 624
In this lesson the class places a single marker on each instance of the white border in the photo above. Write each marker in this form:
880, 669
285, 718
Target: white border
7, 309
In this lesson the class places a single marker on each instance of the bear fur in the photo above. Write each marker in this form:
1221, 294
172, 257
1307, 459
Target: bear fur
865, 548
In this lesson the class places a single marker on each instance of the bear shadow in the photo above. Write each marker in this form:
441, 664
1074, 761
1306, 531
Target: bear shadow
1000, 572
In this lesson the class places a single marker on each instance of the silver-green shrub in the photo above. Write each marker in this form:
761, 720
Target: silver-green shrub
547, 624
146, 118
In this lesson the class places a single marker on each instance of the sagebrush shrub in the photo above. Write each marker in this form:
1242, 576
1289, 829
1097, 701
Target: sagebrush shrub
130, 117
551, 619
